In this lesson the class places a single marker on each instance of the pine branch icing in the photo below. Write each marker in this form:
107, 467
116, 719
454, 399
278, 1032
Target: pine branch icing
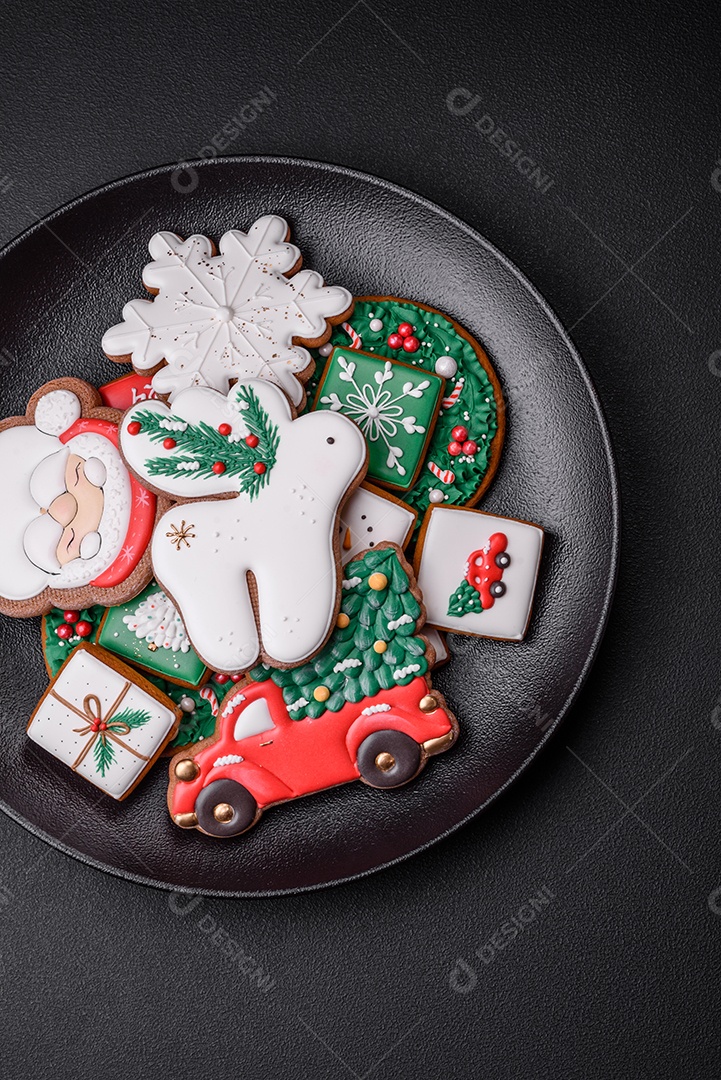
201, 451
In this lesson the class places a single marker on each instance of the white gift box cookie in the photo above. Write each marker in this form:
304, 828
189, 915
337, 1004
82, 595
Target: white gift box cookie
103, 720
478, 572
371, 516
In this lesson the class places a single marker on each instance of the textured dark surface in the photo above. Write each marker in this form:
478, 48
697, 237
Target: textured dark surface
617, 975
555, 470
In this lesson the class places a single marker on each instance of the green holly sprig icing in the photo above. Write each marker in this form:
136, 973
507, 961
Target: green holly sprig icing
211, 451
349, 666
104, 750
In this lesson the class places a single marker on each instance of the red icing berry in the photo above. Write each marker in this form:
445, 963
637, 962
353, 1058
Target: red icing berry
134, 427
71, 616
221, 679
411, 344
394, 341
470, 447
236, 678
169, 444
225, 429
405, 329
83, 628
252, 441
102, 726
64, 631
259, 468
460, 434
455, 448
218, 468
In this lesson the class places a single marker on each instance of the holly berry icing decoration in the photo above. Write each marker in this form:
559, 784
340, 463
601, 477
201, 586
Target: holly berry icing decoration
378, 717
279, 527
242, 311
403, 338
77, 526
103, 720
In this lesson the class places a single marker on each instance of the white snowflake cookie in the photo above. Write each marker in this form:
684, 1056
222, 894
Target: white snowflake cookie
217, 317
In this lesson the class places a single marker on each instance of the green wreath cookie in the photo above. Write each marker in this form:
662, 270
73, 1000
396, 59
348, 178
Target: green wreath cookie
465, 446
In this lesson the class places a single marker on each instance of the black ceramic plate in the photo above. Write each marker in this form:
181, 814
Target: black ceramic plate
64, 282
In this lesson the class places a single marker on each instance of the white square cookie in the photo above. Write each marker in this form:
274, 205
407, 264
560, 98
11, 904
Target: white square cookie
478, 572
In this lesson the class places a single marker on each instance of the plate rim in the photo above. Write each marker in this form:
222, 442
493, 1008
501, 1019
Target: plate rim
615, 505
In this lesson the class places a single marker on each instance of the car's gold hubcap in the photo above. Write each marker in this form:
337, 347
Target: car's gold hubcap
223, 812
385, 761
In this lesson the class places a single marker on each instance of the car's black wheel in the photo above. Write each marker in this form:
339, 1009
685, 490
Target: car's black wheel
225, 808
387, 759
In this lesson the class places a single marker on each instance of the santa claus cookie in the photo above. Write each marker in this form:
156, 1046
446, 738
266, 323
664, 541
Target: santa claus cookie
363, 708
238, 313
77, 525
250, 553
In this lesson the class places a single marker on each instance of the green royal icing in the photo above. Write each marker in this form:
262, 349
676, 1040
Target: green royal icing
348, 665
393, 404
475, 409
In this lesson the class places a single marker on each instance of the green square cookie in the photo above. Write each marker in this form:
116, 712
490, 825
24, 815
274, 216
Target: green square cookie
148, 632
394, 404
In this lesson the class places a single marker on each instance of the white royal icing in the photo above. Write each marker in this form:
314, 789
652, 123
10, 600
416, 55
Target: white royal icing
368, 518
403, 620
401, 672
372, 709
59, 730
156, 620
283, 535
344, 665
56, 411
232, 703
451, 536
230, 316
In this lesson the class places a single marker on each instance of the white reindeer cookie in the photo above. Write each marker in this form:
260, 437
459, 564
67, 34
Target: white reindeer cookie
239, 313
252, 562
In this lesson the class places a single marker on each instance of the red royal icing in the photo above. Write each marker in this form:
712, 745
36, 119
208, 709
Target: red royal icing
126, 391
296, 757
482, 569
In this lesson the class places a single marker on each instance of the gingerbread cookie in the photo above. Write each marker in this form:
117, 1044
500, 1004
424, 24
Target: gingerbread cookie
439, 644
394, 404
103, 720
467, 440
371, 516
241, 313
478, 572
363, 708
77, 526
256, 575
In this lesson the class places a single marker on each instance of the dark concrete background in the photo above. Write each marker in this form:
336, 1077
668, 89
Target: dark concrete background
411, 972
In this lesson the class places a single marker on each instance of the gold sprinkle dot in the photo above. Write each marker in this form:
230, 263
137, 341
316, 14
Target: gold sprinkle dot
342, 621
377, 582
380, 646
321, 693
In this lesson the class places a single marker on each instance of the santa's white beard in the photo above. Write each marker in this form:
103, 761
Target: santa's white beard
115, 521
